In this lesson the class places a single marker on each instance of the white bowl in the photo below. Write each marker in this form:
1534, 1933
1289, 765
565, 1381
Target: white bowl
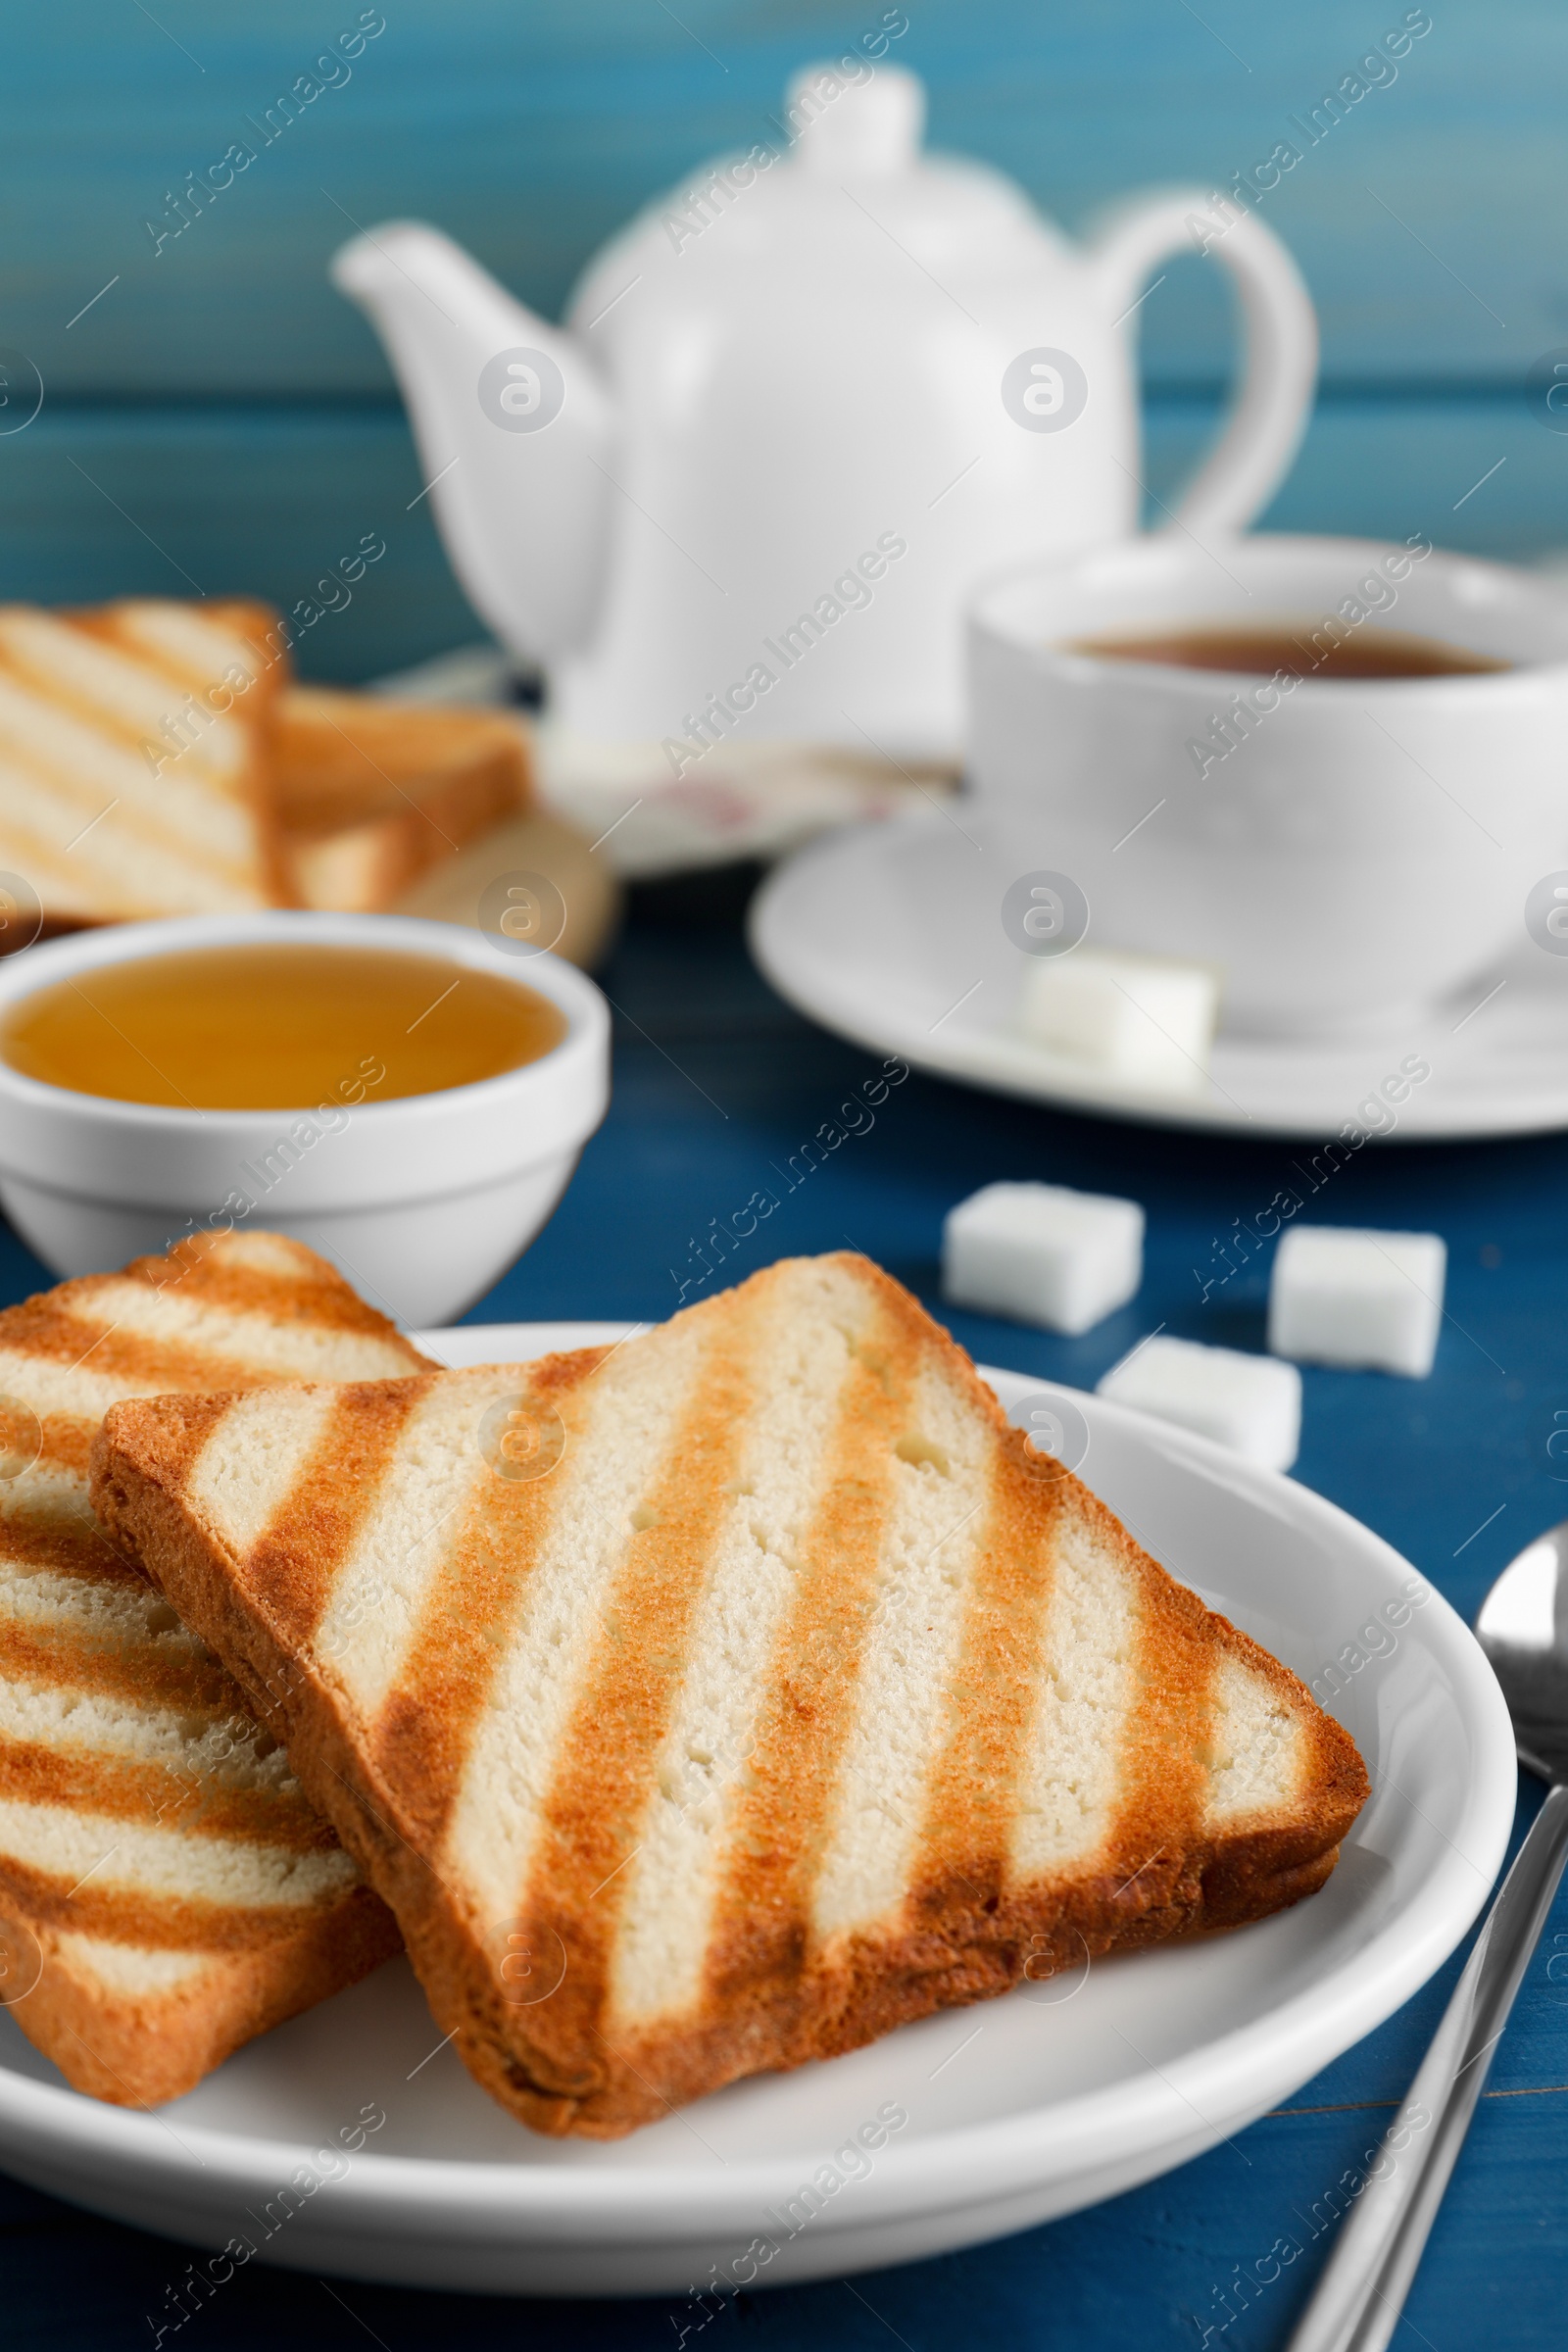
423, 1201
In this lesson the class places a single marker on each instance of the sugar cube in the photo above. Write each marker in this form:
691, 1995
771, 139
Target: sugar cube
1043, 1253
1249, 1403
1342, 1296
1138, 1018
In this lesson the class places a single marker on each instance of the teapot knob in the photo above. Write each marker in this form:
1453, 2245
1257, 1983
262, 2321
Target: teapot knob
868, 129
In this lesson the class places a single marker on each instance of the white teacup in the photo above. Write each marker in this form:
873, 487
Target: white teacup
1339, 847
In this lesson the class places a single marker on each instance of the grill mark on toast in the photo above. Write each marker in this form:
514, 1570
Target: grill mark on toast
295, 1565
58, 1330
81, 665
942, 1489
66, 1445
804, 1353
762, 1936
228, 1272
242, 1344
160, 1922
71, 1383
421, 1739
88, 670
63, 740
972, 1793
419, 1492
167, 1864
145, 1366
621, 1427
604, 1780
1157, 1847
99, 1325
73, 1545
60, 1381
1070, 1781
90, 1779
27, 850
68, 1661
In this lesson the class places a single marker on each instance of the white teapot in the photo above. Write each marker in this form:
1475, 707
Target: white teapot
798, 410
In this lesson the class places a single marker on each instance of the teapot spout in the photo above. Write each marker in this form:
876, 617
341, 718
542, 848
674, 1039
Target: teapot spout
514, 431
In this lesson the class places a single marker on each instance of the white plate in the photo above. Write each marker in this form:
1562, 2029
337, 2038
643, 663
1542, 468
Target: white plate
1019, 2110
891, 934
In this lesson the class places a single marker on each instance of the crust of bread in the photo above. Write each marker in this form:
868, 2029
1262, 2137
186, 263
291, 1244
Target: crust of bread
139, 2049
374, 794
965, 1930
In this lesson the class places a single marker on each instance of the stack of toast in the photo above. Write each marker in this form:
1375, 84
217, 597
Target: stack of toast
724, 1699
157, 759
166, 1890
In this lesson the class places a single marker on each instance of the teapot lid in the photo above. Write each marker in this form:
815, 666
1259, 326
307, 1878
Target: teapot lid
854, 167
870, 129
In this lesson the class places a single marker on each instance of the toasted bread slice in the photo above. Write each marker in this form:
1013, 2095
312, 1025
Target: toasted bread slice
135, 756
792, 1698
374, 794
165, 1890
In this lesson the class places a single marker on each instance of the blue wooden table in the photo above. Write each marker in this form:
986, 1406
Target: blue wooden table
217, 420
715, 1080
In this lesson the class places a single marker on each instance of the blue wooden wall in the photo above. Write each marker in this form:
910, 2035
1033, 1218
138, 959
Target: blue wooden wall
219, 416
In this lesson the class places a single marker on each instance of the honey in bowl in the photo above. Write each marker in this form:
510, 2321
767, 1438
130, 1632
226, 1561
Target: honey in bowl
276, 1027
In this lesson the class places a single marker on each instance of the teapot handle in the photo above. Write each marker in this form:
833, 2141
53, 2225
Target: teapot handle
1270, 410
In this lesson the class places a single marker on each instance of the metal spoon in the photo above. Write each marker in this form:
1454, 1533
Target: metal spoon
1523, 1628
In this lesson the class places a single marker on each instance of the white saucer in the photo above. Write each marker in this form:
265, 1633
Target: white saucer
1017, 2110
891, 934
